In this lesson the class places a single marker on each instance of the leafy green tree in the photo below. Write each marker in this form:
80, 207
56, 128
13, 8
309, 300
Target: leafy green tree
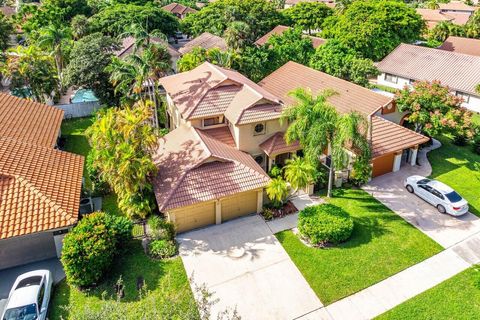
299, 173
255, 62
375, 28
433, 109
237, 34
277, 191
79, 26
199, 55
122, 142
472, 28
432, 4
33, 18
318, 127
32, 69
260, 15
340, 61
307, 16
6, 29
89, 58
279, 4
70, 8
291, 45
445, 29
117, 19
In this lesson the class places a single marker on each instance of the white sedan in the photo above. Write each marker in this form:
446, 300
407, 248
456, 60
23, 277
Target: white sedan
441, 196
29, 297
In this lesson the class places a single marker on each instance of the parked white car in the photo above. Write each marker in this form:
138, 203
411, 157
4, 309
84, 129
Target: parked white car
29, 296
441, 196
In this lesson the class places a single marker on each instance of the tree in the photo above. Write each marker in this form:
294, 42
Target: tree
89, 58
70, 8
33, 18
307, 16
122, 143
432, 108
432, 4
472, 27
277, 191
255, 62
375, 28
236, 35
299, 173
260, 15
444, 29
116, 19
6, 29
318, 127
31, 70
199, 55
338, 60
291, 45
80, 26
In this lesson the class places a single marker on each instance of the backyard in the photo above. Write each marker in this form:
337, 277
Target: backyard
382, 244
456, 298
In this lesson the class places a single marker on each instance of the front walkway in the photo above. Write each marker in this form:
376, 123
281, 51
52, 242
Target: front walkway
246, 267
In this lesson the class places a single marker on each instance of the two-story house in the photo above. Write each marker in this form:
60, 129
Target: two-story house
227, 133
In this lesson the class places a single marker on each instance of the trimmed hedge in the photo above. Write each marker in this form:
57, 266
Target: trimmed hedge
89, 249
325, 223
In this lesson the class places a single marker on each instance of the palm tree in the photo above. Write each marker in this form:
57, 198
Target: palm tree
277, 191
299, 173
319, 127
237, 35
432, 4
142, 36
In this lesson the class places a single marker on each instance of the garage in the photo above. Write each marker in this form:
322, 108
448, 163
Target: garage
382, 164
239, 205
192, 217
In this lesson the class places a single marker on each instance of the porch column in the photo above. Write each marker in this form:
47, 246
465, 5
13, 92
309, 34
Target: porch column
218, 212
413, 156
270, 162
259, 201
397, 161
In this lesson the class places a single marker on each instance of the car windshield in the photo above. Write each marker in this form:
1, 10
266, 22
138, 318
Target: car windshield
28, 312
453, 197
423, 181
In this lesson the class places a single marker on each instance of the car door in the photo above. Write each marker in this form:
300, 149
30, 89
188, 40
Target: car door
41, 302
425, 192
438, 197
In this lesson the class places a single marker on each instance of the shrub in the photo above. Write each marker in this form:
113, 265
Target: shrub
275, 172
267, 213
460, 139
362, 171
162, 249
161, 228
89, 249
476, 145
99, 187
324, 224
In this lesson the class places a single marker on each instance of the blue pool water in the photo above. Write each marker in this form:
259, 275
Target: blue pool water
84, 95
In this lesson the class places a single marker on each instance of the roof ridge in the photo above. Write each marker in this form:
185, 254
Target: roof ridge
391, 122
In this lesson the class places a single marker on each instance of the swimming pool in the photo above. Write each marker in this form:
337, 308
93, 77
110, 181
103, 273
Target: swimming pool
84, 95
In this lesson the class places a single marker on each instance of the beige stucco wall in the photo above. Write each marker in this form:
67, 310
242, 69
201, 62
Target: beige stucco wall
249, 142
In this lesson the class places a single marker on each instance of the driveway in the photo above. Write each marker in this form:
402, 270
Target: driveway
444, 229
246, 267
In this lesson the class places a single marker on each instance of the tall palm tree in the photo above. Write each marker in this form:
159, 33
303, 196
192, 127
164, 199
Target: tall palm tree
299, 173
142, 36
237, 35
319, 127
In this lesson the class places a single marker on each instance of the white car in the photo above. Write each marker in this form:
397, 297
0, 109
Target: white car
29, 297
444, 198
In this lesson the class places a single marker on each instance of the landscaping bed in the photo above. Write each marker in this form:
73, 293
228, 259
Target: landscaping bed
381, 244
274, 213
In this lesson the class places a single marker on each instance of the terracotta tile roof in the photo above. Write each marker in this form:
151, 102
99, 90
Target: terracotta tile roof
455, 70
349, 97
276, 144
195, 167
459, 18
221, 134
178, 8
188, 89
29, 121
278, 30
206, 41
39, 187
388, 137
462, 45
435, 16
456, 6
215, 101
128, 44
262, 112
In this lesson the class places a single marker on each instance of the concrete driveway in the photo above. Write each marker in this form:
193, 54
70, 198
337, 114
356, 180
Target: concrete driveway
444, 229
246, 267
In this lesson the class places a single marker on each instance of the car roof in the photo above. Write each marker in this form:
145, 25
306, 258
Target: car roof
23, 296
440, 186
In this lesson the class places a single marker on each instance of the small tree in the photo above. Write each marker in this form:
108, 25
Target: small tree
277, 191
308, 16
299, 173
199, 55
6, 29
237, 35
432, 108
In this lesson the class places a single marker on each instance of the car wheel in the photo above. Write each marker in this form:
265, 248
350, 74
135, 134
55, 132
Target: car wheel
409, 188
441, 209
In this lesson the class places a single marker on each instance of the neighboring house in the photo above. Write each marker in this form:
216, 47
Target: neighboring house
278, 30
179, 10
206, 41
462, 45
409, 63
432, 17
226, 134
127, 48
457, 7
40, 186
456, 12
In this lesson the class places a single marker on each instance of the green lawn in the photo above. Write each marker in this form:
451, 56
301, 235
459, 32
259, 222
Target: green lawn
163, 279
381, 245
457, 298
454, 166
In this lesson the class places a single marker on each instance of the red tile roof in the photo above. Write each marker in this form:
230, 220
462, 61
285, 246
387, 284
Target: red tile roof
129, 42
222, 134
206, 41
456, 6
462, 45
215, 101
195, 167
178, 8
276, 144
278, 30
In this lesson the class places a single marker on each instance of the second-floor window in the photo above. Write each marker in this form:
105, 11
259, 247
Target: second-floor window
391, 78
464, 96
259, 128
207, 122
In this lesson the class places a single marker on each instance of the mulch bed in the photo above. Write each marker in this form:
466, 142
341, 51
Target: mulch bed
288, 208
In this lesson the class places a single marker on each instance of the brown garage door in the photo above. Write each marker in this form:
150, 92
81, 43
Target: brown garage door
382, 164
239, 205
196, 216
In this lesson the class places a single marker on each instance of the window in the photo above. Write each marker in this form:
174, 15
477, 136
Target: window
41, 294
423, 181
411, 81
391, 78
259, 129
454, 197
213, 121
464, 96
259, 159
437, 194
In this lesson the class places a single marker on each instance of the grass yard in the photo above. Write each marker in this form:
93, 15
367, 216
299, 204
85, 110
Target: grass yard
382, 244
454, 166
162, 278
456, 298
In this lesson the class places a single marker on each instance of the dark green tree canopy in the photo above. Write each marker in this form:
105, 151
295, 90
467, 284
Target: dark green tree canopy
6, 29
308, 16
260, 15
374, 28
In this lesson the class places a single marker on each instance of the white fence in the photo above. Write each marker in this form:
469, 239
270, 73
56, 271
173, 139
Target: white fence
80, 109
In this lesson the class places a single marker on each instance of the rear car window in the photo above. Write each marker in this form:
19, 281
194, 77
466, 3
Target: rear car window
453, 196
30, 281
